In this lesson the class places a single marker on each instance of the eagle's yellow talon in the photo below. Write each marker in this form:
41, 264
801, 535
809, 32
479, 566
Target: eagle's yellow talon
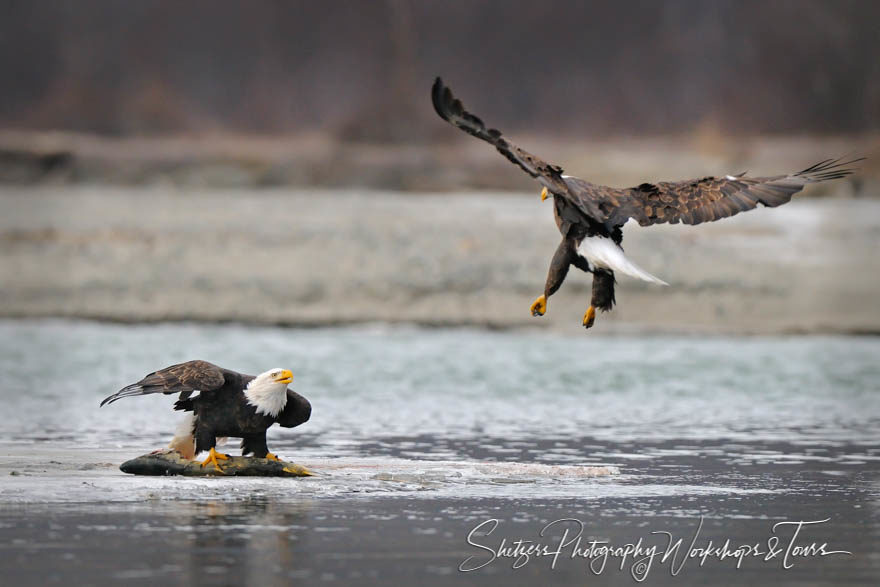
589, 317
272, 457
539, 306
544, 194
213, 457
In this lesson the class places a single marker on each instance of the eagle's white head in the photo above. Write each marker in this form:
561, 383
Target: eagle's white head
267, 392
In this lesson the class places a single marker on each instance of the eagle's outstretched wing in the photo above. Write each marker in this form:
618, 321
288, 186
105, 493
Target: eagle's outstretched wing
450, 109
184, 378
699, 200
689, 202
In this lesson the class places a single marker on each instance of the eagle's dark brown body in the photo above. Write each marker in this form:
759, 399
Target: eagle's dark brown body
226, 412
574, 229
588, 211
221, 408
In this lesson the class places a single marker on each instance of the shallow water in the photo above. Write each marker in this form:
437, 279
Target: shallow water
413, 400
425, 433
370, 384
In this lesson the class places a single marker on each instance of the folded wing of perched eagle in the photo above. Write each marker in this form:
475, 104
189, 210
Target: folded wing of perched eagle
590, 217
228, 404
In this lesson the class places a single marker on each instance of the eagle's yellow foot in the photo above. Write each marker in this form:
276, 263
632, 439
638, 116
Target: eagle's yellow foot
272, 457
589, 317
539, 306
544, 194
213, 457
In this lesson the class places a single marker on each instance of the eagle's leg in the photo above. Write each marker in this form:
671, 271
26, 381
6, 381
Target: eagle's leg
256, 444
562, 258
205, 440
603, 295
213, 457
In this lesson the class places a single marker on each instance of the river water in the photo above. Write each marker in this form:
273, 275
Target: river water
426, 433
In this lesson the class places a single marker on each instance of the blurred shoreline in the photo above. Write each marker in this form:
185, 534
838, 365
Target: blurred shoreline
338, 257
224, 161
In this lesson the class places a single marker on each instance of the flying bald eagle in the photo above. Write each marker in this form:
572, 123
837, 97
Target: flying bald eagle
227, 404
590, 217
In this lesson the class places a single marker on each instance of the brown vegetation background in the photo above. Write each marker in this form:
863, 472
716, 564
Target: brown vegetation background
361, 70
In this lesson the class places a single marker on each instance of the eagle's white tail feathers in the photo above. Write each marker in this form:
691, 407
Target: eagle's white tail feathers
605, 253
183, 441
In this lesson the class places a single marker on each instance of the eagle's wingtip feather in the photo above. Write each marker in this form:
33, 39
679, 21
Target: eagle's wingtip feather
829, 169
110, 400
440, 97
127, 391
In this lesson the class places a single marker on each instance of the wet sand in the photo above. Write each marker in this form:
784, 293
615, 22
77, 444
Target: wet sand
312, 257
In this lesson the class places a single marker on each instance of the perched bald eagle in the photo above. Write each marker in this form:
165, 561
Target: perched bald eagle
590, 217
227, 404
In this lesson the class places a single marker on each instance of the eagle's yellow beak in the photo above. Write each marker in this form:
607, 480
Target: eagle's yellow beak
544, 194
285, 377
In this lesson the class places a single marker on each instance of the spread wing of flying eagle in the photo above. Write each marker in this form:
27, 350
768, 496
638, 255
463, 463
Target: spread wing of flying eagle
590, 217
228, 404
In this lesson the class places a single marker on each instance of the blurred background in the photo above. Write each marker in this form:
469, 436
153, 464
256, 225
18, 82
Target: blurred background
284, 158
